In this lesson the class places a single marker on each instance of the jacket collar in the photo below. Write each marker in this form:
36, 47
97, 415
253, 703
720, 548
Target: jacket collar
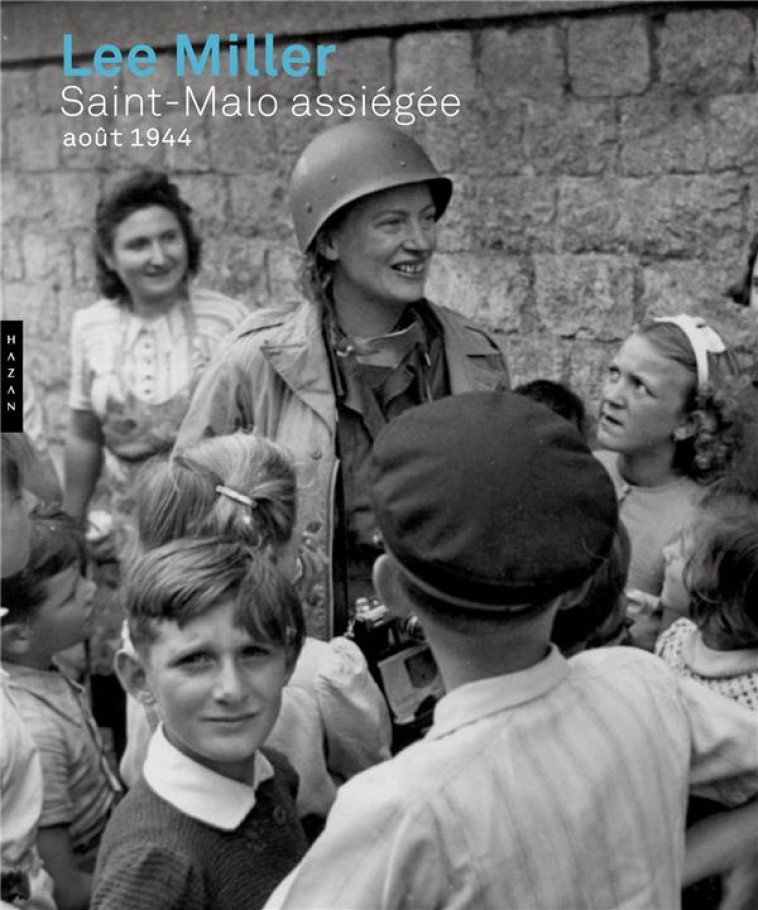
197, 791
296, 351
463, 347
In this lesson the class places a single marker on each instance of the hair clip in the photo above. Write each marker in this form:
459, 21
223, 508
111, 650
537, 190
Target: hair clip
702, 338
236, 496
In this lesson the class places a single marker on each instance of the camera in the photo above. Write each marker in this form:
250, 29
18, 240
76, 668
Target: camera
402, 663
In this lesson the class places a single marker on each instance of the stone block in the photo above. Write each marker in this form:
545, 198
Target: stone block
663, 216
733, 128
662, 132
752, 209
207, 194
706, 51
194, 96
284, 263
236, 266
47, 256
83, 260
92, 158
36, 303
358, 63
576, 137
183, 158
50, 363
490, 289
699, 287
609, 56
442, 60
165, 80
242, 146
511, 214
522, 63
74, 198
585, 296
13, 261
590, 216
27, 197
476, 141
534, 355
18, 92
137, 151
33, 142
454, 229
292, 134
258, 206
281, 86
586, 369
50, 83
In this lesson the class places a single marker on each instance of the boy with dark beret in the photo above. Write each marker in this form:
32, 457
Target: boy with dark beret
543, 782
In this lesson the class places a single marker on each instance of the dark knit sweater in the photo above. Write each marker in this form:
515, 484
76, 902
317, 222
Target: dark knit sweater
153, 857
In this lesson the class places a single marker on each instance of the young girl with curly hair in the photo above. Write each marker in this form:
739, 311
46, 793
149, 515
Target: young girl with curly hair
664, 433
718, 645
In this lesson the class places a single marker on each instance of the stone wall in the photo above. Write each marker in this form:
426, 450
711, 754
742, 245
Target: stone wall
605, 163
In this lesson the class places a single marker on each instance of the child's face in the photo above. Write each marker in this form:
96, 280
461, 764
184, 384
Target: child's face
644, 397
64, 619
219, 690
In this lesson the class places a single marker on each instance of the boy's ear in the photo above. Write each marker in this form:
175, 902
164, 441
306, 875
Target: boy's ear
132, 676
16, 638
573, 598
388, 585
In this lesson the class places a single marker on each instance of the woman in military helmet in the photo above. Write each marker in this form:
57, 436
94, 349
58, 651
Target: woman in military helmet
323, 377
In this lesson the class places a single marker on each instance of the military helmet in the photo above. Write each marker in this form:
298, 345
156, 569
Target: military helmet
353, 160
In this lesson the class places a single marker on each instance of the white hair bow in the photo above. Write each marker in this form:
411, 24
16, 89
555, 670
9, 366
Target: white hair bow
702, 338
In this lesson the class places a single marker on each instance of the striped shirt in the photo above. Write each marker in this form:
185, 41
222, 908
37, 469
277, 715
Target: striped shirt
563, 785
79, 788
113, 349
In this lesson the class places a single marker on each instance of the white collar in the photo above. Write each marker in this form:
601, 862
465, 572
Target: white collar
167, 328
197, 791
713, 664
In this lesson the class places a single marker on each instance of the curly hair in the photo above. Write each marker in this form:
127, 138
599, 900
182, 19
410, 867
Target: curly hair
138, 191
705, 453
740, 292
721, 573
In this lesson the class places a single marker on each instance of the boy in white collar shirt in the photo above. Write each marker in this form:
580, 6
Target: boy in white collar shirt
543, 782
217, 631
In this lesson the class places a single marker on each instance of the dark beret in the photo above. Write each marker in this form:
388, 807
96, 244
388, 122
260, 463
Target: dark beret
489, 500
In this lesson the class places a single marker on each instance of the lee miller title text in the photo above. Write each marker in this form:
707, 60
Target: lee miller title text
235, 55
